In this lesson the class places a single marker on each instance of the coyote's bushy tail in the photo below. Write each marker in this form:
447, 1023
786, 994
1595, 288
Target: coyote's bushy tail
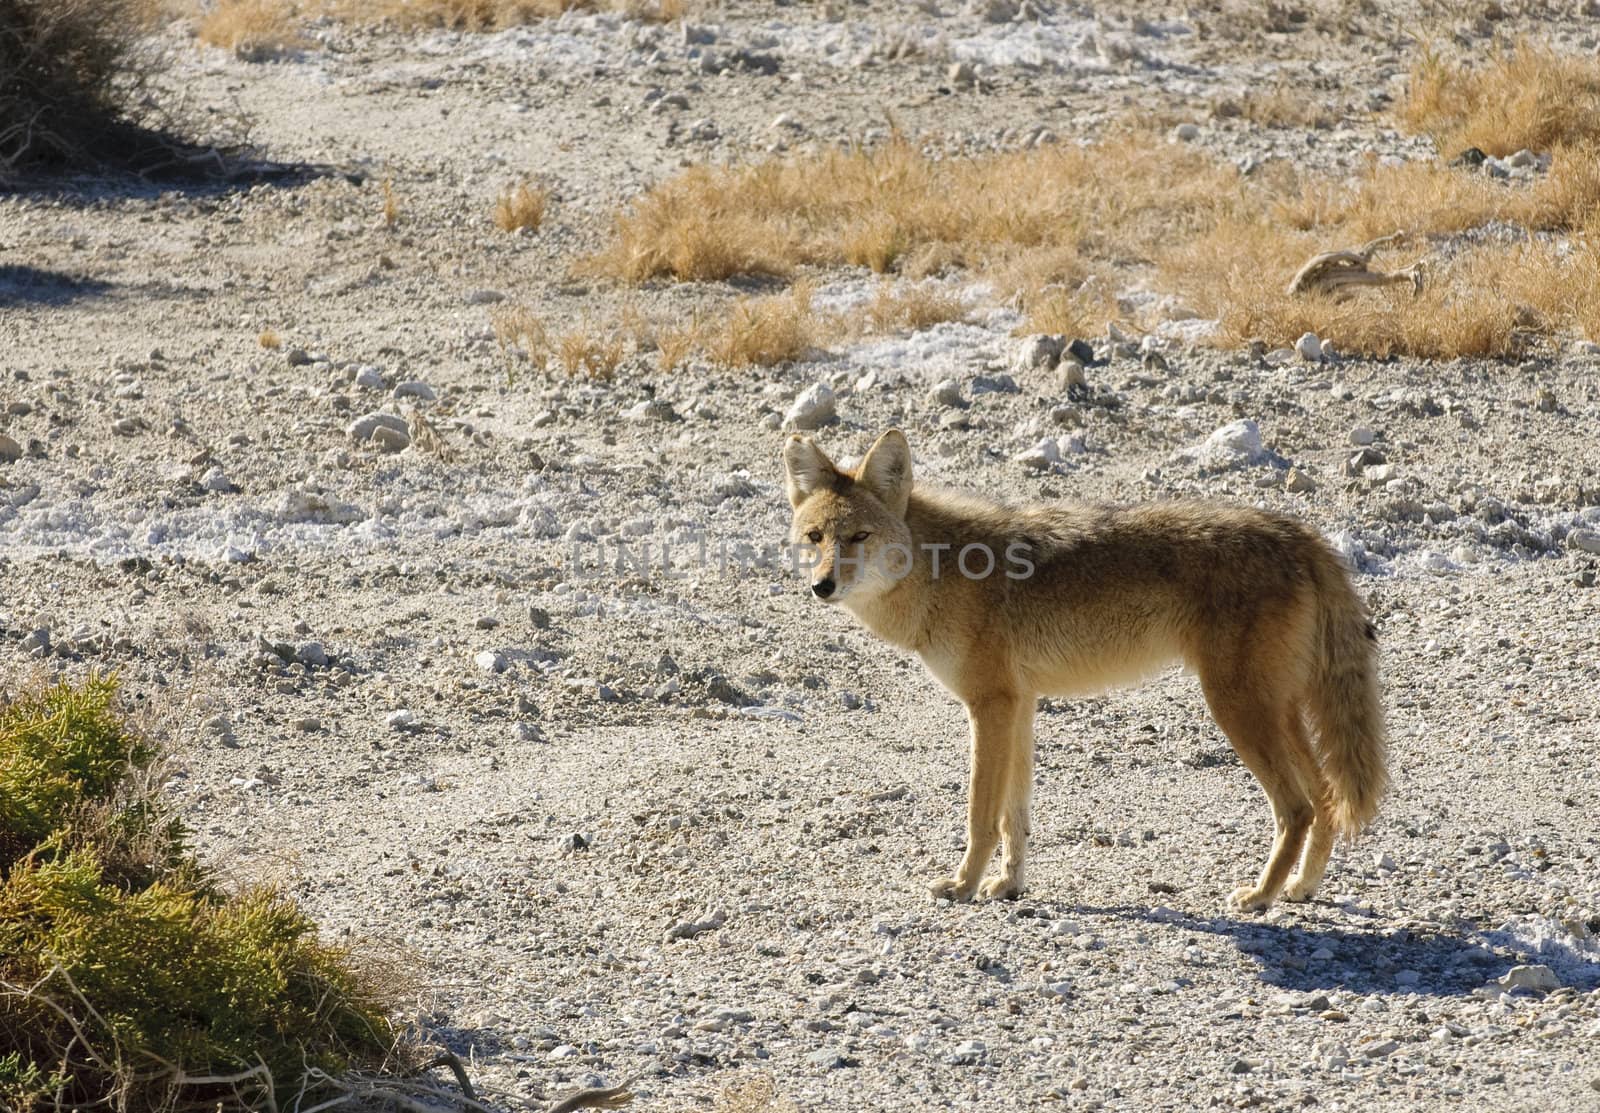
1344, 701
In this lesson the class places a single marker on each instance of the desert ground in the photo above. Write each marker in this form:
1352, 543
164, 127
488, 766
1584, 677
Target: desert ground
515, 687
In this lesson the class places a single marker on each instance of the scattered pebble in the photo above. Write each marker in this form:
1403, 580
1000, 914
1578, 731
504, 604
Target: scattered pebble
812, 409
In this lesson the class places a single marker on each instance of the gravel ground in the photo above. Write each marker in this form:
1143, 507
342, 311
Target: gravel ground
676, 820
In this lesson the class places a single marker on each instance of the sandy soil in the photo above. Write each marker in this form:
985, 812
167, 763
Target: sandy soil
677, 821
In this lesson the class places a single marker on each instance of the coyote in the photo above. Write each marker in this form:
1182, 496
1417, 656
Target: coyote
1007, 603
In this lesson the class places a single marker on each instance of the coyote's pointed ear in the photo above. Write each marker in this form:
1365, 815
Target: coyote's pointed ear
886, 471
808, 469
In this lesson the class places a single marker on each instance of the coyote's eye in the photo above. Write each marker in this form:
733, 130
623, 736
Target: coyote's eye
815, 537
860, 537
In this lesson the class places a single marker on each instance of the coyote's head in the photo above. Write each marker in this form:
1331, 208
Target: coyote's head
849, 528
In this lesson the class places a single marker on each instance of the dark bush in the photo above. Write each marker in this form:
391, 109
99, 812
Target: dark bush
69, 70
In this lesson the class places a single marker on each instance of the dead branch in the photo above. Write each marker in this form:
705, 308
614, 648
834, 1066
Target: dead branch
611, 1097
1340, 272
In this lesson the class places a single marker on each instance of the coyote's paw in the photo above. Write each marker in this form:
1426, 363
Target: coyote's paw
952, 889
1300, 889
1248, 898
1003, 887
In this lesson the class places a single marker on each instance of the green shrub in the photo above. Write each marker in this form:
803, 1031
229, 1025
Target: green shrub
126, 974
64, 753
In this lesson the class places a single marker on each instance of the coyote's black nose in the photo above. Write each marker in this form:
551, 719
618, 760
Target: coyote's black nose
823, 588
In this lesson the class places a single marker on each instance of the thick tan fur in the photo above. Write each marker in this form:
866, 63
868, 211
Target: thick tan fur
1082, 598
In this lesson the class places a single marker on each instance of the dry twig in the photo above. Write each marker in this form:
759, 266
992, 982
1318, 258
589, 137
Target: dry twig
1339, 272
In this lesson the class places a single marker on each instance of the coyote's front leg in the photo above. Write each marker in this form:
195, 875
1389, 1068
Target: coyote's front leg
998, 795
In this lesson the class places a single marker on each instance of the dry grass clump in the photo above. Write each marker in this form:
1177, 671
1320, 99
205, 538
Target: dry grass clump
1486, 300
888, 207
753, 332
1427, 197
1525, 95
391, 204
68, 71
254, 30
590, 350
755, 1095
520, 207
912, 307
1040, 225
129, 979
1282, 106
269, 339
761, 332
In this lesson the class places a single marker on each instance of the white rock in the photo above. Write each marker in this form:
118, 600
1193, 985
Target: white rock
969, 1051
947, 392
1042, 456
651, 409
363, 427
1584, 540
1039, 352
414, 389
1236, 442
217, 481
813, 408
369, 378
390, 439
1309, 348
1539, 979
1362, 436
490, 661
401, 720
961, 73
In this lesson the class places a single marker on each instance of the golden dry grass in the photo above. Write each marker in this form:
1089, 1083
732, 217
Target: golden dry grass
520, 207
1059, 231
391, 204
269, 339
761, 332
896, 207
251, 29
674, 345
1524, 95
590, 349
912, 308
1489, 299
1281, 106
755, 1095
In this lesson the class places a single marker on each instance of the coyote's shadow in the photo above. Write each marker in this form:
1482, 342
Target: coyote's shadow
24, 285
1372, 959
